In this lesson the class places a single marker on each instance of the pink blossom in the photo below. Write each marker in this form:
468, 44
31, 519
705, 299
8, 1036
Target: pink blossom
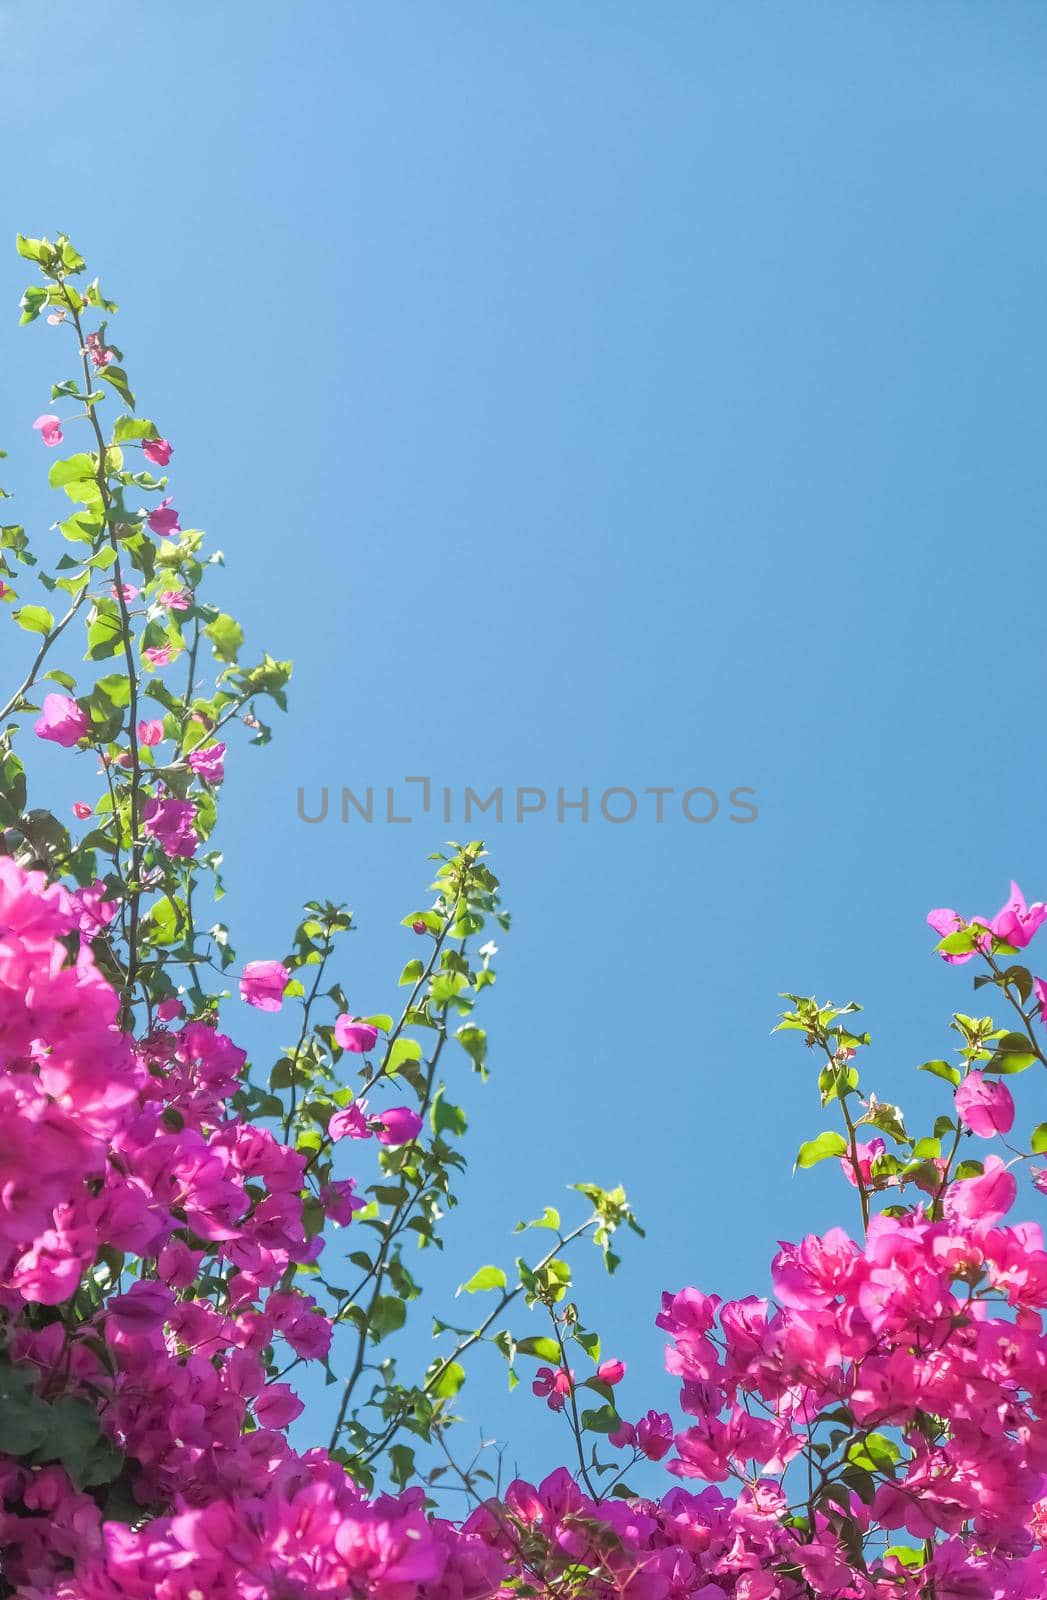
81, 810
170, 1009
164, 521
150, 733
652, 1435
945, 921
349, 1123
175, 599
142, 1310
339, 1200
126, 591
50, 429
984, 1199
419, 927
553, 1386
100, 356
208, 764
398, 1125
63, 721
171, 823
611, 1371
354, 1035
986, 1105
158, 655
157, 450
277, 1405
95, 912
1016, 922
262, 984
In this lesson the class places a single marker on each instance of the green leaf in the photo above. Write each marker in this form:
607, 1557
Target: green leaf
605, 1420
226, 636
388, 1315
485, 1278
117, 378
1038, 1142
540, 1346
445, 1117
24, 1419
473, 1041
1013, 1054
402, 1050
72, 469
452, 1376
820, 1149
34, 619
941, 1069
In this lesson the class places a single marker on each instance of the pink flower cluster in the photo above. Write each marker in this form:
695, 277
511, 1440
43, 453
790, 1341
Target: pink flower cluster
918, 1357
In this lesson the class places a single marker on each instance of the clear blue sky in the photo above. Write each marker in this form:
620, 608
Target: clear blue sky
598, 394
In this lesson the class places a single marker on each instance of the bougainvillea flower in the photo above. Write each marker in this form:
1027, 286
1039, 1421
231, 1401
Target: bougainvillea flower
208, 764
62, 722
397, 1125
349, 1123
157, 450
50, 429
164, 520
171, 823
354, 1035
985, 1104
262, 984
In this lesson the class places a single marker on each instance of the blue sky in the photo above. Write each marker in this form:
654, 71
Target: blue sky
597, 395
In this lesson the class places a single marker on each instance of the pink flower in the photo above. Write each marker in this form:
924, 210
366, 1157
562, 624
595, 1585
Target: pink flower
95, 912
50, 429
398, 1125
1039, 989
1016, 923
652, 1435
354, 1035
158, 655
164, 521
150, 733
349, 1123
340, 1201
419, 927
554, 1387
208, 764
157, 450
142, 1310
263, 983
945, 921
171, 823
63, 721
175, 599
178, 1265
867, 1154
128, 591
81, 810
277, 1405
100, 356
985, 1105
168, 1010
984, 1199
611, 1372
